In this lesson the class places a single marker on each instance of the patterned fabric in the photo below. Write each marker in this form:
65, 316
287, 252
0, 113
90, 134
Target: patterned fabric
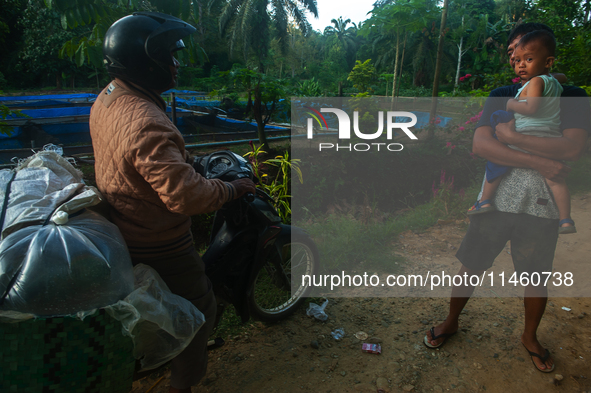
525, 191
66, 354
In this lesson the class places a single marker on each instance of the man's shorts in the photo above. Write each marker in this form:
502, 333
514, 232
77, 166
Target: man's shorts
533, 241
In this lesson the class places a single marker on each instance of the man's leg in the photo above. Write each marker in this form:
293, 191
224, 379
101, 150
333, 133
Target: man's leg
485, 239
532, 247
459, 297
184, 274
534, 300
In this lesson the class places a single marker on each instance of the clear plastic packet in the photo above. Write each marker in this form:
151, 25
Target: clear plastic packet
160, 323
316, 311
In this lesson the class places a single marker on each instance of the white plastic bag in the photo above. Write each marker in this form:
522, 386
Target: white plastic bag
316, 311
56, 257
160, 323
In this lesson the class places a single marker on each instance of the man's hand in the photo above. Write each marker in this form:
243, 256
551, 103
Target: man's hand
493, 150
243, 186
553, 170
506, 132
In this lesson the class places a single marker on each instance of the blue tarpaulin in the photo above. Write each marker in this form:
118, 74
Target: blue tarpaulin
83, 97
198, 93
193, 102
69, 132
47, 103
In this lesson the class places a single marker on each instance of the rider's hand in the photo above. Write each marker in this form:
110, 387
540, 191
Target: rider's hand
243, 186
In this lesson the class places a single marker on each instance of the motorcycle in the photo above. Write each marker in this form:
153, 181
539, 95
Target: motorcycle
253, 256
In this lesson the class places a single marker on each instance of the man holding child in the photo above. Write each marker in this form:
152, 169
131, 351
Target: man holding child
525, 211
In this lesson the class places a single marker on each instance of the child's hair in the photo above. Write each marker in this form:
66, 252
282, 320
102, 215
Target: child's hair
546, 39
524, 28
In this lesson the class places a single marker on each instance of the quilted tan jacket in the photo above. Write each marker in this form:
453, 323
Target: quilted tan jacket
141, 168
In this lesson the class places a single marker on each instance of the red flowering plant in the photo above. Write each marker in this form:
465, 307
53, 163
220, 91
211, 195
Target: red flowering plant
465, 78
445, 198
449, 147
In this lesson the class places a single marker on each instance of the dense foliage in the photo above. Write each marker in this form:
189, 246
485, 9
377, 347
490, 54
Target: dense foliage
56, 43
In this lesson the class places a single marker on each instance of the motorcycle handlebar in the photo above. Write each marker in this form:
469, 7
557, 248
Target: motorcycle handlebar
249, 196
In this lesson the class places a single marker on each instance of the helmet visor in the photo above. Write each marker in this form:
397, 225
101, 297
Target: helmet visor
177, 46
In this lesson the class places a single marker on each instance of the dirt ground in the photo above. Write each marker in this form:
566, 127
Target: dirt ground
299, 354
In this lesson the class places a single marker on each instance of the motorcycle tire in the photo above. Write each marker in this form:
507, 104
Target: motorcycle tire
271, 297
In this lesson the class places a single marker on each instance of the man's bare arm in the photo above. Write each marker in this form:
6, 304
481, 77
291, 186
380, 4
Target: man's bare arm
569, 147
560, 77
486, 146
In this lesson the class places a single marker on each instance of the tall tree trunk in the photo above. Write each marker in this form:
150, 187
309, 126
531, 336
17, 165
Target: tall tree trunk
249, 105
460, 54
201, 30
395, 64
401, 65
457, 78
257, 110
435, 94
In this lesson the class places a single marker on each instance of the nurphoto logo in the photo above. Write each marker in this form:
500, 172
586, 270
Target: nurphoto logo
394, 120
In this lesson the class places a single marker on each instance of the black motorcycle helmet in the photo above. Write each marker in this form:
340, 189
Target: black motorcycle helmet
138, 48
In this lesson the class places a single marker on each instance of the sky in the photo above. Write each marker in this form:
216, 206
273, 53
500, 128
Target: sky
355, 10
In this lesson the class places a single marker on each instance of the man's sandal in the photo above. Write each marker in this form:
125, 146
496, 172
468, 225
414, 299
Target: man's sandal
445, 336
478, 209
566, 230
542, 358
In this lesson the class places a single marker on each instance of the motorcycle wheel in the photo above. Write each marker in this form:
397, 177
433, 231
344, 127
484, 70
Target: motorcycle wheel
271, 297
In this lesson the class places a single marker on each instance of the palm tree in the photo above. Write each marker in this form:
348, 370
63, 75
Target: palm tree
248, 23
346, 36
394, 22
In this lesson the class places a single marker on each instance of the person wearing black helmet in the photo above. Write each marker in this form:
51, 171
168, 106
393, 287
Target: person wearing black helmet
142, 169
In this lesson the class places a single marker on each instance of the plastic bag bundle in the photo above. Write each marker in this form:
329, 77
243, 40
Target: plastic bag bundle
56, 257
59, 259
160, 323
50, 270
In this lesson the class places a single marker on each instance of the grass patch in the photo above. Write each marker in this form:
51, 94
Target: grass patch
348, 238
579, 179
230, 325
352, 239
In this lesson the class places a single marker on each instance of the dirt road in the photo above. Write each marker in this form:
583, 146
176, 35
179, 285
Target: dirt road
300, 354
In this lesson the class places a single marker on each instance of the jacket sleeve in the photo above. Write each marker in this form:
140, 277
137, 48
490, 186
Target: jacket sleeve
156, 155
